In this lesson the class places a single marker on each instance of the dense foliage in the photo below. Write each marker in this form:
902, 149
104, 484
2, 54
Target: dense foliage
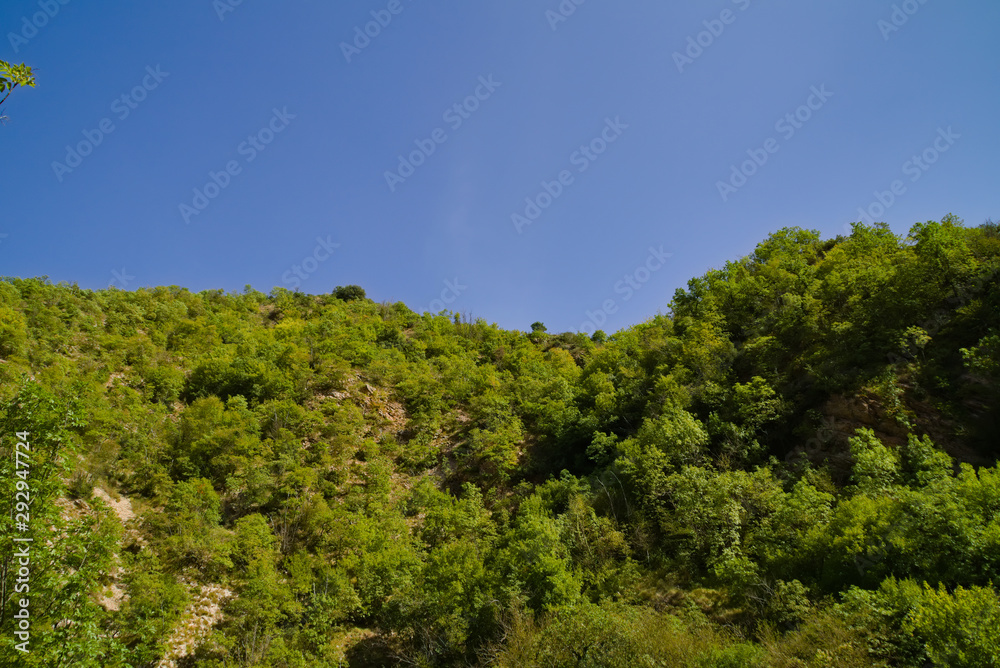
795, 467
12, 76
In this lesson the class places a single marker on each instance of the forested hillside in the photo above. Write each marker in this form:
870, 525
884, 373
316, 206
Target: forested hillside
796, 466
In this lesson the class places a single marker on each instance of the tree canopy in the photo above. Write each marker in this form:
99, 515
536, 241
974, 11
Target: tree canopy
12, 76
795, 466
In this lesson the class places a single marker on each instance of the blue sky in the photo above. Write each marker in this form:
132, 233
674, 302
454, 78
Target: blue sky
619, 121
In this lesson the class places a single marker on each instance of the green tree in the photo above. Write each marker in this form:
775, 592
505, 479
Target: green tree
540, 560
923, 463
349, 293
12, 76
876, 467
962, 629
60, 572
188, 531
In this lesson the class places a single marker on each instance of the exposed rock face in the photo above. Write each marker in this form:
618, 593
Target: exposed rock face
122, 507
196, 623
841, 417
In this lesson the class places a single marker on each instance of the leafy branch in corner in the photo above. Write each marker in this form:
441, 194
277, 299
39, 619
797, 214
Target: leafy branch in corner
12, 76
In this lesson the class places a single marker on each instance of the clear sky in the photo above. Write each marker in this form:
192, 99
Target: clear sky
622, 122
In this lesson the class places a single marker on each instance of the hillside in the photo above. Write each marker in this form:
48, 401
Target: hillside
796, 466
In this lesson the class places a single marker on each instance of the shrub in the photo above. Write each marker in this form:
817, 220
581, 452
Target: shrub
349, 293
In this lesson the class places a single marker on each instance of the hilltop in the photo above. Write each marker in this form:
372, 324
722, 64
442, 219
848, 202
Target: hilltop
795, 466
